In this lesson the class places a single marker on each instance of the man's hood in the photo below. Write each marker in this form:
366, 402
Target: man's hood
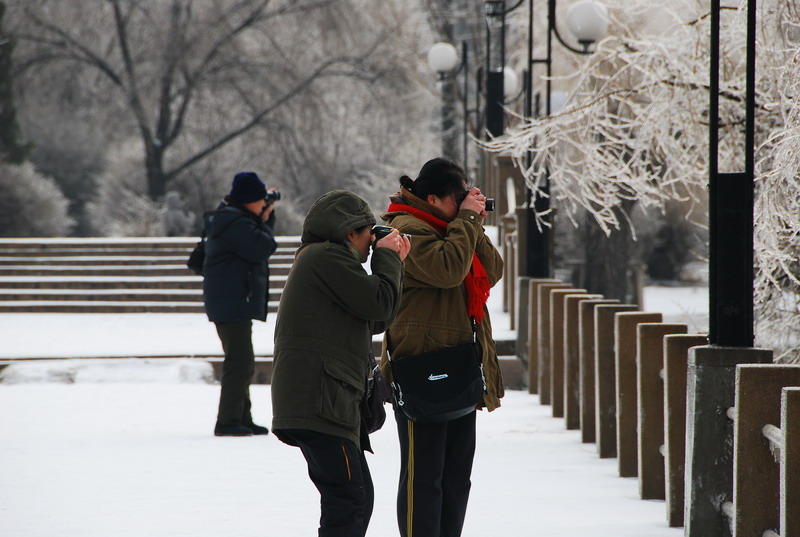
333, 215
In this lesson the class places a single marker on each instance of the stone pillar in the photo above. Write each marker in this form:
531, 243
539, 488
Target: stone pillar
605, 378
790, 462
676, 363
626, 347
756, 472
572, 365
523, 308
545, 290
650, 410
587, 366
709, 435
533, 331
557, 330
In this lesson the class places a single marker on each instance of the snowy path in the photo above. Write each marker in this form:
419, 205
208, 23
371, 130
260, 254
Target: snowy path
139, 460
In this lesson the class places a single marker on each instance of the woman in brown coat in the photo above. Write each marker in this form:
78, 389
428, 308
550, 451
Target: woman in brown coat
447, 277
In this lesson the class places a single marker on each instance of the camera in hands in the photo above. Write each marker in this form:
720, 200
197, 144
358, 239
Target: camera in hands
382, 231
272, 196
489, 201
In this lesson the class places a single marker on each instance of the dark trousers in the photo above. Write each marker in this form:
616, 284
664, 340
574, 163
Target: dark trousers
339, 471
237, 371
435, 469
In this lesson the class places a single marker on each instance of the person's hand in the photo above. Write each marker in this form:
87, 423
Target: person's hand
475, 201
269, 207
394, 242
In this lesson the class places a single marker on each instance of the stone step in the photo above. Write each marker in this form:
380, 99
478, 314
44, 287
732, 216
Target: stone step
56, 306
119, 243
108, 260
115, 295
159, 253
108, 275
112, 282
112, 270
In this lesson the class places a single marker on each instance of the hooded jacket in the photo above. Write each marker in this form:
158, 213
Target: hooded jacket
235, 272
433, 310
329, 309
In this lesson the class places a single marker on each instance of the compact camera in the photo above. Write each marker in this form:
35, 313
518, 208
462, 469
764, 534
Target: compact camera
273, 195
489, 201
381, 231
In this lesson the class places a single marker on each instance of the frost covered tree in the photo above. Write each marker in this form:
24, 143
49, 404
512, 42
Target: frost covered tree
635, 130
12, 149
315, 94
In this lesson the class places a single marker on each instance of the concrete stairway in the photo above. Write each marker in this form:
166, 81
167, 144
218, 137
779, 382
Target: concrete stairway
113, 275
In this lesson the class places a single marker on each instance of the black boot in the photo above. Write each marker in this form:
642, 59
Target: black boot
257, 429
232, 430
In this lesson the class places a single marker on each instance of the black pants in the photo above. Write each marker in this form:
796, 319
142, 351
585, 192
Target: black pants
339, 471
237, 371
435, 468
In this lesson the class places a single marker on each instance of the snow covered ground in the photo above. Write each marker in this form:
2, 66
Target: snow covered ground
103, 459
124, 448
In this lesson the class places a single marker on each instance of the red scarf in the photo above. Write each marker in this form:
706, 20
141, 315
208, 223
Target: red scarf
477, 281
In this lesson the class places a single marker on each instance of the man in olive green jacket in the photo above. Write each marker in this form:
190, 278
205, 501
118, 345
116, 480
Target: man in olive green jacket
329, 309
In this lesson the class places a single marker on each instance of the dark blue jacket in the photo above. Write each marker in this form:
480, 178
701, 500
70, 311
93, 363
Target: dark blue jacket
236, 273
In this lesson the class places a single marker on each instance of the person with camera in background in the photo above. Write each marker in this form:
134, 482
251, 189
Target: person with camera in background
448, 273
239, 241
329, 310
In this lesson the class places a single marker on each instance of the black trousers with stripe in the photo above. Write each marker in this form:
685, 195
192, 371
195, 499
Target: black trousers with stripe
435, 469
339, 471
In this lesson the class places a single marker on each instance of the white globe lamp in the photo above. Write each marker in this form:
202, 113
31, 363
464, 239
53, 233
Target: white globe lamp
588, 21
443, 57
510, 82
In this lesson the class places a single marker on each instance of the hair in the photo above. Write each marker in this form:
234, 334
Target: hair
440, 177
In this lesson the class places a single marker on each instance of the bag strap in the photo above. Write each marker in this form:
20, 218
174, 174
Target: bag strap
218, 233
389, 339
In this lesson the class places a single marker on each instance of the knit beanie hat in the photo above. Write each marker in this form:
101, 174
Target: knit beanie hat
247, 188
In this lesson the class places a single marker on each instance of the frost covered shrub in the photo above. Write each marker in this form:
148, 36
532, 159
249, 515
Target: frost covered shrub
31, 204
121, 206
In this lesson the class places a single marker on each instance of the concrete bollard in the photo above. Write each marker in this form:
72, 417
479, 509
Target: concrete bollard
586, 355
533, 331
790, 462
545, 290
676, 363
572, 366
709, 435
523, 307
557, 329
605, 401
626, 345
756, 472
650, 409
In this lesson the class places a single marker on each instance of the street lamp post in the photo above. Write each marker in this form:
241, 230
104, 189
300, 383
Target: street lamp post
495, 11
588, 22
443, 60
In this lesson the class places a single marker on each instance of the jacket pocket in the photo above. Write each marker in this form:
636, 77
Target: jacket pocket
340, 396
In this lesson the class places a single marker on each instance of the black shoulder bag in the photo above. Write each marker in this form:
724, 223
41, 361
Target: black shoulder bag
377, 394
441, 385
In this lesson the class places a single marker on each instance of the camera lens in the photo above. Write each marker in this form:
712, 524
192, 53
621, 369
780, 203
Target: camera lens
490, 204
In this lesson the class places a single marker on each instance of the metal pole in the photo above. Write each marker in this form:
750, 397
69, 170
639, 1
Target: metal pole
495, 18
538, 247
465, 103
731, 209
